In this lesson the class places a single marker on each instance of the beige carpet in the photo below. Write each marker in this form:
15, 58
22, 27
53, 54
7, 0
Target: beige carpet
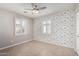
37, 48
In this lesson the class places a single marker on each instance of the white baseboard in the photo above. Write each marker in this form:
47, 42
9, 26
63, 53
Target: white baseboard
15, 44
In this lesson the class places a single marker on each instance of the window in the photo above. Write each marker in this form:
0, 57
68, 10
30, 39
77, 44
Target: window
20, 26
46, 27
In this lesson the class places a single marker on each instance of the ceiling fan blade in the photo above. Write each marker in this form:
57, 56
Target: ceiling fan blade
25, 12
28, 9
41, 8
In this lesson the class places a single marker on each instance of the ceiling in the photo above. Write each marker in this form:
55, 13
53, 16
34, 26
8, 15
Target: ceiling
19, 8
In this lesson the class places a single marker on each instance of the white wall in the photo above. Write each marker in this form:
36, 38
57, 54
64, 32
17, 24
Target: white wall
77, 32
63, 28
7, 35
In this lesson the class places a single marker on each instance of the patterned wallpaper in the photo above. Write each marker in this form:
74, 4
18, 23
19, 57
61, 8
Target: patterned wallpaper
63, 28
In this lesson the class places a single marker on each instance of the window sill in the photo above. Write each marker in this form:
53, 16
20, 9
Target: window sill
22, 34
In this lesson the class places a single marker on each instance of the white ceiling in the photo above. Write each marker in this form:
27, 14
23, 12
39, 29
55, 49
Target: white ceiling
19, 8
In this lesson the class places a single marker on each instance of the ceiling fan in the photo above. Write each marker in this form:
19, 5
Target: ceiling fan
35, 8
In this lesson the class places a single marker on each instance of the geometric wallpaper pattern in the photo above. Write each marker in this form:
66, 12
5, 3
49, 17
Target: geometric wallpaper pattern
63, 28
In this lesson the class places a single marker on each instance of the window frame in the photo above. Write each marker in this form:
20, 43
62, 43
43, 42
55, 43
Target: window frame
20, 19
47, 25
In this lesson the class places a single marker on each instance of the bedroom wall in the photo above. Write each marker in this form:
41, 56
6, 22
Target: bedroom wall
7, 35
63, 28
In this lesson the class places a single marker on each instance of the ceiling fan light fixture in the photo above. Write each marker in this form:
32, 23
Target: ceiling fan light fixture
35, 11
